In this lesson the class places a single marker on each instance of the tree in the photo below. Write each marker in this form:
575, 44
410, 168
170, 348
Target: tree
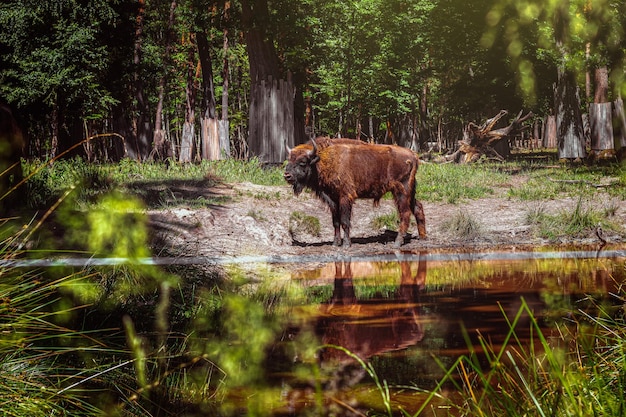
271, 115
54, 66
568, 36
162, 146
140, 144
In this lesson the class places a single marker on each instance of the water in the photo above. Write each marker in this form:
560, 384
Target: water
412, 317
335, 333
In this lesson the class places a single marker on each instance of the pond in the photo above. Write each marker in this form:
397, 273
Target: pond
353, 335
393, 325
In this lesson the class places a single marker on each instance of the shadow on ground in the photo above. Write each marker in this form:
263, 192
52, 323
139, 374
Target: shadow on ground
178, 193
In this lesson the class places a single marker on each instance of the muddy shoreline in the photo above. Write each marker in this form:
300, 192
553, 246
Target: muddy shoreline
253, 220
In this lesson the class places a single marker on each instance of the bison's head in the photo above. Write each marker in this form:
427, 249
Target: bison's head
300, 169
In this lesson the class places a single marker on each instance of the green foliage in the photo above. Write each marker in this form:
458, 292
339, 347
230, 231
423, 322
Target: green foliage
389, 221
300, 222
577, 35
55, 56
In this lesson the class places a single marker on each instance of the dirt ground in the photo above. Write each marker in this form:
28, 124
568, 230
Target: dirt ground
254, 220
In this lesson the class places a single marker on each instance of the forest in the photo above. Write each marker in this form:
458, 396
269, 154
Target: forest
154, 261
203, 80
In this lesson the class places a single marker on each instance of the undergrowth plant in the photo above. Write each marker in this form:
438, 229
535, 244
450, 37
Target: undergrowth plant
545, 378
390, 221
462, 225
582, 221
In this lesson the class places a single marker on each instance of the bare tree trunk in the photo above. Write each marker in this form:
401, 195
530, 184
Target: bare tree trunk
224, 128
162, 149
601, 85
271, 121
620, 131
139, 146
569, 128
569, 125
188, 136
209, 135
549, 134
424, 131
600, 117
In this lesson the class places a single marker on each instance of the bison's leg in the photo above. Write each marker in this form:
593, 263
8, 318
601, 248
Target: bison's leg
345, 208
337, 225
404, 211
421, 219
418, 212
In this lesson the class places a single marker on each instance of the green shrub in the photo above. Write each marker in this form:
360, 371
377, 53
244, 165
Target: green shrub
462, 225
300, 222
580, 222
389, 221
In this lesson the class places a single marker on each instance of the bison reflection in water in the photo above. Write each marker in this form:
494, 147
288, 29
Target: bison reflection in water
368, 327
341, 170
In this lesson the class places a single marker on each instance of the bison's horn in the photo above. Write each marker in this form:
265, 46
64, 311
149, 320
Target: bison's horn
287, 146
314, 146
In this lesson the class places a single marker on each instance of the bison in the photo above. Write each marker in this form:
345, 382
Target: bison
341, 170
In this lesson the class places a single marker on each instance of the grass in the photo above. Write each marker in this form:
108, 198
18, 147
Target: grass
452, 183
389, 221
300, 222
462, 225
160, 184
581, 222
547, 378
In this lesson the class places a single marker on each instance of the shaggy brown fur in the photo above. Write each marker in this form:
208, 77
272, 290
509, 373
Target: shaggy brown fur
341, 170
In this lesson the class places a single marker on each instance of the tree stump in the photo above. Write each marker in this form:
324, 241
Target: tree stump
479, 140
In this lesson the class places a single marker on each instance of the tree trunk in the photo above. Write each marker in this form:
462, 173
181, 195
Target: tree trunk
121, 123
188, 135
569, 125
620, 127
271, 117
224, 128
601, 126
309, 119
600, 117
549, 132
139, 146
209, 134
601, 85
162, 149
424, 131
